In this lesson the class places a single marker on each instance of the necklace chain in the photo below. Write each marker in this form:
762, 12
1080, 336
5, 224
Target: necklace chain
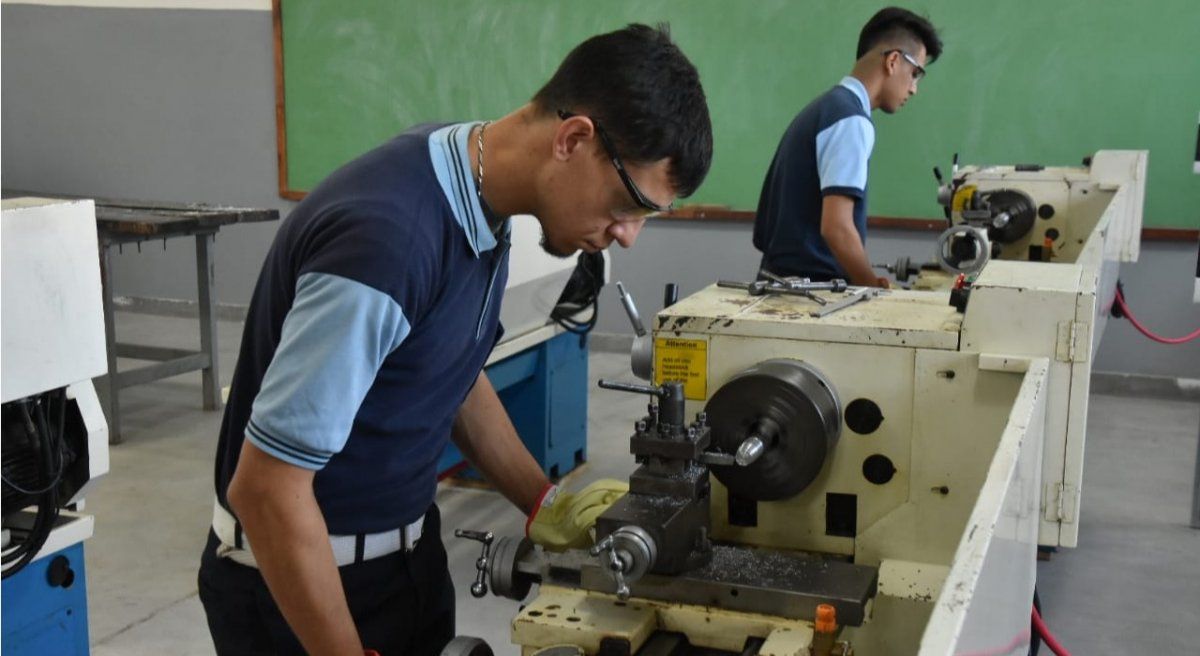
479, 142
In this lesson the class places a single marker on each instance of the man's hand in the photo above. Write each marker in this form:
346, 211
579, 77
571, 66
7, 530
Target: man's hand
564, 521
883, 282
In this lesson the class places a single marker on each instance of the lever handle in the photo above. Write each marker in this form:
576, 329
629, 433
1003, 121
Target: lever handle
631, 310
619, 386
479, 588
613, 563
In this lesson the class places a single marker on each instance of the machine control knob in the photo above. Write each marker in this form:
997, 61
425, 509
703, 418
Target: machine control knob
59, 574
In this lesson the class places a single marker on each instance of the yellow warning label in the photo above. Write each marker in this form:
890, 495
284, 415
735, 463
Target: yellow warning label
685, 360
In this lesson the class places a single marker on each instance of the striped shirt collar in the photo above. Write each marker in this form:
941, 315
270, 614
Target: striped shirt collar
855, 85
452, 164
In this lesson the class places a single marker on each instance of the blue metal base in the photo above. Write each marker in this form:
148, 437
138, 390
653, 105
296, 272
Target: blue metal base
544, 390
45, 606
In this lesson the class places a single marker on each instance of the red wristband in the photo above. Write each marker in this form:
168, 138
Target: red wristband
537, 505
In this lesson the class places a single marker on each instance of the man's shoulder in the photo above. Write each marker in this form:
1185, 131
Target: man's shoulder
394, 180
837, 104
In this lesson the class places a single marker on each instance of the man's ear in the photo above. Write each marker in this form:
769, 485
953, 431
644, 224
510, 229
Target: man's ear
891, 62
571, 135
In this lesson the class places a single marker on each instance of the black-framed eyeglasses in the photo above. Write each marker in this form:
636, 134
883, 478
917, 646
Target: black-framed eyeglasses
638, 196
918, 70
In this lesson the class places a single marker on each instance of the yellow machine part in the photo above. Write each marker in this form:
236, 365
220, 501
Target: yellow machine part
962, 197
566, 616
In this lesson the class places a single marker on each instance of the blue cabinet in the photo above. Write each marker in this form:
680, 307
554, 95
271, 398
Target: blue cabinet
544, 390
45, 606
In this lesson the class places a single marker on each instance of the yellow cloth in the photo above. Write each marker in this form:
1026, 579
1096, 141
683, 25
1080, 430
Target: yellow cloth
567, 521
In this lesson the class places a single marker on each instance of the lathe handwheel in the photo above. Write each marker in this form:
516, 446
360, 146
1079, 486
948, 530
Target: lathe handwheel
467, 646
506, 581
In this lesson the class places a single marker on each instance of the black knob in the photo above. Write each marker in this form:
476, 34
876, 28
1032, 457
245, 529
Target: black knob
670, 295
59, 574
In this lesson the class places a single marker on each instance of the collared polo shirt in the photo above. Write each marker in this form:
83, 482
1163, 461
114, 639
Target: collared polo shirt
825, 150
376, 309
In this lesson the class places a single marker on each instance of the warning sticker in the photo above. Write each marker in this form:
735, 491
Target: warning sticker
685, 360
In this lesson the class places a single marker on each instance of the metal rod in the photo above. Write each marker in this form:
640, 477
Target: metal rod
733, 284
630, 387
631, 310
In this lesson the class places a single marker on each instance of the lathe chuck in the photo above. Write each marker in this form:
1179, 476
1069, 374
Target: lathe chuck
793, 409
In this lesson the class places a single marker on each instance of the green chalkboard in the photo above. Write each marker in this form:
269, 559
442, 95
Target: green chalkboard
1021, 81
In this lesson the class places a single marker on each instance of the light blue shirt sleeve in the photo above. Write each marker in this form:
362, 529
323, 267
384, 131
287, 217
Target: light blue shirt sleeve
335, 338
843, 150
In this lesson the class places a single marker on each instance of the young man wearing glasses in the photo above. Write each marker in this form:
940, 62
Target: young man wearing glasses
812, 212
364, 347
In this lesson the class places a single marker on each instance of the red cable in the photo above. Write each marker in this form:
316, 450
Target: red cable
1146, 331
1044, 633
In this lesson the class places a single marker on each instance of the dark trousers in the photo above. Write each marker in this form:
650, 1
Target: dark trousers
402, 603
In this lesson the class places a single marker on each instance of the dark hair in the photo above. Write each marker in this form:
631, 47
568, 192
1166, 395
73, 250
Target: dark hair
645, 93
893, 22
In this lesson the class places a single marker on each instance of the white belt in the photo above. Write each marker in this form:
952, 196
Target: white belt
347, 549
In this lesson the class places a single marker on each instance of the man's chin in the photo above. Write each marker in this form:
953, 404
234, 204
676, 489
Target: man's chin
554, 251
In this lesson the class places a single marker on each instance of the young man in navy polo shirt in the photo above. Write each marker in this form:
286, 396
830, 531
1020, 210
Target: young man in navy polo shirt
365, 342
812, 213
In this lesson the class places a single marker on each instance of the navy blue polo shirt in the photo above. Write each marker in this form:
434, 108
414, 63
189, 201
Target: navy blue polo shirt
374, 313
824, 151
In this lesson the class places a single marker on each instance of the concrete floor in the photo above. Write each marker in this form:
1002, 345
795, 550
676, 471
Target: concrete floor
1133, 586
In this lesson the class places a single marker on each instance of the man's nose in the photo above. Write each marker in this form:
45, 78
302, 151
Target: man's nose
626, 233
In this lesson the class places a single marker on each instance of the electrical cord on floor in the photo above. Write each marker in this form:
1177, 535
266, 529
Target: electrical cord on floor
1122, 310
1041, 631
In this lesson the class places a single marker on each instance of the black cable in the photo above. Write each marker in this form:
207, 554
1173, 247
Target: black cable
1035, 640
32, 429
43, 523
582, 290
49, 443
571, 325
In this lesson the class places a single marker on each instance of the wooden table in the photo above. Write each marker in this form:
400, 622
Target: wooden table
120, 222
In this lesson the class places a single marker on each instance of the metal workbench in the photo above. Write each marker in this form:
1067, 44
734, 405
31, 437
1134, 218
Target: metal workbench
128, 222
